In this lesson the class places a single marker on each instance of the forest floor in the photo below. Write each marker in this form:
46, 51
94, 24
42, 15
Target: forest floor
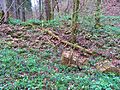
31, 58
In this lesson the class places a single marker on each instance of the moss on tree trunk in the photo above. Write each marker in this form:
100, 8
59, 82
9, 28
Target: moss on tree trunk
74, 20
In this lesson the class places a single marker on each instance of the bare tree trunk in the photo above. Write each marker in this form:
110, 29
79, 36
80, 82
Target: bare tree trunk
41, 11
16, 15
67, 8
5, 14
54, 4
28, 9
48, 9
23, 11
14, 9
10, 5
74, 19
19, 8
40, 8
57, 6
97, 14
52, 9
18, 11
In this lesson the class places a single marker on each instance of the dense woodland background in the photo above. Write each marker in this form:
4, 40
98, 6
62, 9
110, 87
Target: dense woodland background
26, 9
60, 44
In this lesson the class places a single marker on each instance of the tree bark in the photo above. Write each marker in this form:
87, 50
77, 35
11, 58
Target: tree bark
23, 16
28, 9
5, 14
74, 19
48, 9
97, 14
56, 5
16, 11
52, 9
41, 11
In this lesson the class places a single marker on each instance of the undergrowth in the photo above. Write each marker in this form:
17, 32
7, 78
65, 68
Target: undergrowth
42, 23
86, 22
22, 69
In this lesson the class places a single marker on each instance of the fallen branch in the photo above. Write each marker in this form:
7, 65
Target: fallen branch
94, 53
68, 43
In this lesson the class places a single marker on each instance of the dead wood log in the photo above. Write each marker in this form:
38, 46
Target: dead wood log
71, 58
68, 43
76, 46
107, 66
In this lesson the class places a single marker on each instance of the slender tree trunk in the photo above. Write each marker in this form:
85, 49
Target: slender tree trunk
5, 14
97, 14
57, 6
10, 5
74, 19
28, 9
23, 11
54, 5
14, 9
52, 9
18, 11
67, 8
48, 9
16, 14
41, 9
